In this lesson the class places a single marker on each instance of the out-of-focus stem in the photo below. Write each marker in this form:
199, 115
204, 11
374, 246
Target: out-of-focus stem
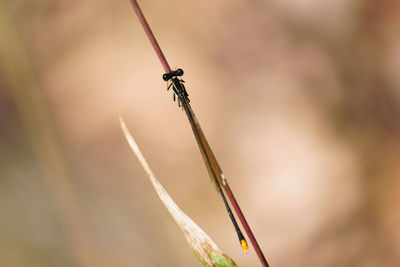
32, 110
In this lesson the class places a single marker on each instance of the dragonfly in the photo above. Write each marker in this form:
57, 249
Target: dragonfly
180, 94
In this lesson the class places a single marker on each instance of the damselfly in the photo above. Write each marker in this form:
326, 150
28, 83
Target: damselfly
178, 88
179, 91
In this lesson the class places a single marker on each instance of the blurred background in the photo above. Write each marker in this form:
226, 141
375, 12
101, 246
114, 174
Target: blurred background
300, 101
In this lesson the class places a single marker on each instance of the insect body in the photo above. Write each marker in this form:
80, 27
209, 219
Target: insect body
179, 90
172, 77
214, 170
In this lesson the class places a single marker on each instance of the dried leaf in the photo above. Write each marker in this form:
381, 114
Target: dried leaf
202, 245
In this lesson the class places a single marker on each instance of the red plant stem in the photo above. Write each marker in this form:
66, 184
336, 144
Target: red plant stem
209, 156
215, 171
150, 35
245, 225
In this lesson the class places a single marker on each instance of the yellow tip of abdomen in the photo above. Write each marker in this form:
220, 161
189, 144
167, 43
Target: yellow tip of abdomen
244, 246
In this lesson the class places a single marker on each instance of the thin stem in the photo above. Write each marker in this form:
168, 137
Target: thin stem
150, 35
215, 171
212, 165
202, 143
245, 225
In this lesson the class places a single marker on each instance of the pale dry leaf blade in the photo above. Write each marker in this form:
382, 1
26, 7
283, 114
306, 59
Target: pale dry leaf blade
202, 245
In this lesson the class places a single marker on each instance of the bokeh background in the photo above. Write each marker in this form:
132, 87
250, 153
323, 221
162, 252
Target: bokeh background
300, 101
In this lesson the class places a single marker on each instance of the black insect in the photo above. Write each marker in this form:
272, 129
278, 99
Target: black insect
179, 90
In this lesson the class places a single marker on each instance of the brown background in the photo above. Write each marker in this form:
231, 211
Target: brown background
299, 100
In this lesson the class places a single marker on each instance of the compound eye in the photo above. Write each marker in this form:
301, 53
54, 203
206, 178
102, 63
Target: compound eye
179, 72
165, 77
